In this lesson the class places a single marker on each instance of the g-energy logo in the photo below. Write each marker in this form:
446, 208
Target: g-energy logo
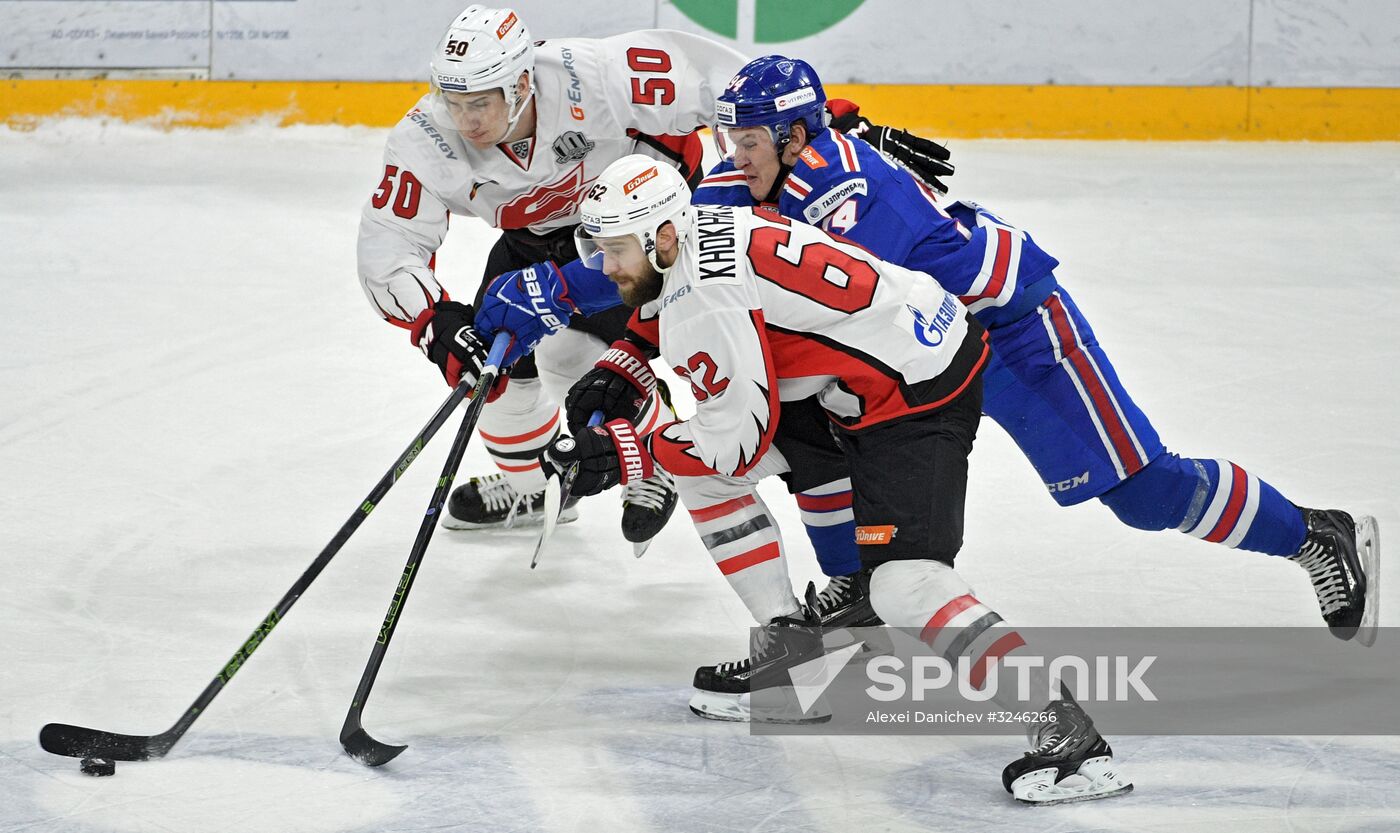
575, 91
420, 118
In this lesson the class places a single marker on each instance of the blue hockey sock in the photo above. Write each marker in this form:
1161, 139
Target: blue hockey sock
1214, 500
831, 526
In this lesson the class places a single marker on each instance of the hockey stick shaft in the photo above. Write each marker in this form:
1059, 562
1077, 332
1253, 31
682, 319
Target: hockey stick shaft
357, 742
80, 742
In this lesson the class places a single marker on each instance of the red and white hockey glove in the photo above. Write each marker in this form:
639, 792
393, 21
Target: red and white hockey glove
606, 455
619, 385
446, 336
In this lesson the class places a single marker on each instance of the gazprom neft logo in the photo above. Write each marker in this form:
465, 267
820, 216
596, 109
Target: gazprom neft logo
1090, 679
766, 21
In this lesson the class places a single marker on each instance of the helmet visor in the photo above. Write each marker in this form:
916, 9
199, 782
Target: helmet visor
589, 253
745, 139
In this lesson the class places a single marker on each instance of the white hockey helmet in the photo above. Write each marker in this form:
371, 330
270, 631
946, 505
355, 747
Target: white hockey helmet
484, 49
636, 195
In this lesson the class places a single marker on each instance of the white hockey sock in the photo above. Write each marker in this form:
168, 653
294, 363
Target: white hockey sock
931, 597
515, 428
743, 539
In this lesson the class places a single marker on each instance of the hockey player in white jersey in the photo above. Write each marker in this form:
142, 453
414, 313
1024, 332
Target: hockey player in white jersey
514, 133
756, 310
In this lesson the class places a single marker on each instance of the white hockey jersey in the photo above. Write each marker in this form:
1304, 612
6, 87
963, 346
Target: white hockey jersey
760, 309
595, 102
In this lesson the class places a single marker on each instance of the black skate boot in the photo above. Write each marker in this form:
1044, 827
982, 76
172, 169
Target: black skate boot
724, 691
845, 603
1342, 558
647, 504
1069, 760
491, 502
646, 507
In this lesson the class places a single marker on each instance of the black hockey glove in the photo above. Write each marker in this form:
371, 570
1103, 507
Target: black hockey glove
925, 159
446, 336
619, 385
605, 455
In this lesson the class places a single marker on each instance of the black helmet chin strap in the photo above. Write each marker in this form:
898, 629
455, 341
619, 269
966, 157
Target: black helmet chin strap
783, 170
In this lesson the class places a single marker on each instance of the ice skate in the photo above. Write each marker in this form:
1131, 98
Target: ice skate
490, 502
1069, 761
646, 507
724, 691
845, 603
1342, 558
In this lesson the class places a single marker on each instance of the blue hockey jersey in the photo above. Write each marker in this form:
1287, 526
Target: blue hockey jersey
849, 189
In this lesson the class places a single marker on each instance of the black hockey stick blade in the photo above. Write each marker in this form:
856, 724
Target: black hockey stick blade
365, 749
556, 491
353, 738
557, 486
82, 742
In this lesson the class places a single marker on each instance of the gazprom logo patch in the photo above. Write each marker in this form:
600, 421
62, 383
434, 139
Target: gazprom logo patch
822, 206
930, 332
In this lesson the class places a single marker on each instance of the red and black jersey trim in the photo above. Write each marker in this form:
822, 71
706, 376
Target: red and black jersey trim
805, 351
687, 151
645, 332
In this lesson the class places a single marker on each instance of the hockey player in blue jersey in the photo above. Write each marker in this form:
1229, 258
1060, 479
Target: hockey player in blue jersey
1050, 385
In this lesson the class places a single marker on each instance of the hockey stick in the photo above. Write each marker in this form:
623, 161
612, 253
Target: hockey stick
357, 742
557, 486
81, 742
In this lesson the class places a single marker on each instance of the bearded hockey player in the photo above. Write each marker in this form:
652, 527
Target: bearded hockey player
514, 133
756, 311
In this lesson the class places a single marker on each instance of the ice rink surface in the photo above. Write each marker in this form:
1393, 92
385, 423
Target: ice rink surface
196, 395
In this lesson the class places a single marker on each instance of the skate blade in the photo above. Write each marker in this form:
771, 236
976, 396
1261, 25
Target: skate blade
640, 548
736, 708
1368, 546
1101, 779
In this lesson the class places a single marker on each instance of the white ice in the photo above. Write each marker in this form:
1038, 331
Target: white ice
196, 395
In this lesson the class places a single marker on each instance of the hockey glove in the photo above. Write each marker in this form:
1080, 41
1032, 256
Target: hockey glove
619, 385
925, 159
605, 455
446, 336
529, 304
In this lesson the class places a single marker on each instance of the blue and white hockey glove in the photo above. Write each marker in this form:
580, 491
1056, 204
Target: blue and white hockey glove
529, 304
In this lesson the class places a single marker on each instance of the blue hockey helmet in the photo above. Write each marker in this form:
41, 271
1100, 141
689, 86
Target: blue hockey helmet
772, 92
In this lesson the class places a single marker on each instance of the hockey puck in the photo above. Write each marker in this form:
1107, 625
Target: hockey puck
99, 766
